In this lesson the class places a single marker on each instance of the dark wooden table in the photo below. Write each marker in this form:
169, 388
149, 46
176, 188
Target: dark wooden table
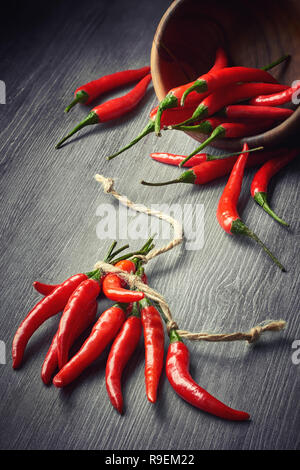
50, 210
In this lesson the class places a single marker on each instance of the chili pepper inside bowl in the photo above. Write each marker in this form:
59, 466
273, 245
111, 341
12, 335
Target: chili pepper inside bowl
253, 33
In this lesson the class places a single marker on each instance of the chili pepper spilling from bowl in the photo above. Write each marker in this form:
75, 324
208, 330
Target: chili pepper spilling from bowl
227, 130
215, 79
177, 370
211, 169
175, 159
230, 94
174, 96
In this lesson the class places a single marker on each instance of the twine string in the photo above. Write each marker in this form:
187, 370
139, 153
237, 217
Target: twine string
135, 282
108, 187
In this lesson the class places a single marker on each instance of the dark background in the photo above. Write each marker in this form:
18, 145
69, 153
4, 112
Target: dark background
48, 232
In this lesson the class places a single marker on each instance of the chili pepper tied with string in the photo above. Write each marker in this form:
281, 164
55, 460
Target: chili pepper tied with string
113, 285
112, 109
44, 289
154, 339
86, 293
261, 179
227, 214
50, 364
90, 91
56, 299
49, 306
177, 370
79, 302
103, 332
122, 349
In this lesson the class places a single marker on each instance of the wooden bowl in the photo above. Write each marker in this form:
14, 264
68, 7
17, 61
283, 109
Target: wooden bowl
254, 33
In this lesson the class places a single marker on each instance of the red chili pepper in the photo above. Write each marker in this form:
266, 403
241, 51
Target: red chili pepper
174, 96
92, 90
122, 349
169, 117
83, 296
112, 285
201, 81
216, 79
112, 109
44, 289
261, 179
177, 369
104, 330
50, 363
236, 111
46, 308
175, 159
210, 170
154, 347
227, 213
275, 99
229, 95
228, 130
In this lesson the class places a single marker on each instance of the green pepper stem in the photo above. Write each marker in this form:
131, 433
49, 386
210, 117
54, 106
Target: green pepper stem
187, 176
228, 155
174, 336
276, 62
90, 119
147, 130
218, 132
261, 199
169, 101
205, 127
115, 253
145, 302
164, 183
96, 275
146, 248
81, 97
199, 113
92, 273
238, 227
110, 250
199, 86
135, 312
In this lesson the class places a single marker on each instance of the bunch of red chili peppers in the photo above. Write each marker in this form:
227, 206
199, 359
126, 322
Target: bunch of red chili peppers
122, 325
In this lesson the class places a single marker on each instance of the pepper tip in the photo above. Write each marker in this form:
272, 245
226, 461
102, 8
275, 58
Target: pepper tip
57, 381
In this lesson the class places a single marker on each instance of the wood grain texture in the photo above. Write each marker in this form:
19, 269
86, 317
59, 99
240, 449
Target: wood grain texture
49, 201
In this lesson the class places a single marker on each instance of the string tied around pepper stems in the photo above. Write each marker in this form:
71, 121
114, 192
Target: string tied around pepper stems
135, 281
